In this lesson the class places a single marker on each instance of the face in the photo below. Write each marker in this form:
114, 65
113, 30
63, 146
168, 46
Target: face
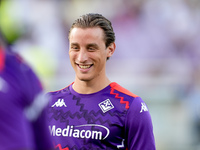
88, 53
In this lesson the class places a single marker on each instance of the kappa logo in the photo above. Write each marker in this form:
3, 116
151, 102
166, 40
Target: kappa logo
143, 107
59, 103
106, 105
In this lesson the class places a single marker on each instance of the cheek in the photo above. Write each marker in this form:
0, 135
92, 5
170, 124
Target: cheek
72, 59
72, 55
102, 62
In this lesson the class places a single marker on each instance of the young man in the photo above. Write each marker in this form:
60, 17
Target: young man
22, 117
93, 112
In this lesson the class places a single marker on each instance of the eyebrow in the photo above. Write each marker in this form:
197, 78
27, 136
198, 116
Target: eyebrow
92, 45
88, 45
74, 44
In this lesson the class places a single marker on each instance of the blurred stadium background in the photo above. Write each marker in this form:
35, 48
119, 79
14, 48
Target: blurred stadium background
157, 55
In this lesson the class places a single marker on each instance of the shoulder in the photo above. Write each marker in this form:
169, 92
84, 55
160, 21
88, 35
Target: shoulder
117, 87
126, 97
16, 63
12, 57
18, 68
131, 100
60, 91
22, 78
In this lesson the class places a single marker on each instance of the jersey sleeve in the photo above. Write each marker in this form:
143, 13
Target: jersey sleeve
35, 107
32, 85
139, 128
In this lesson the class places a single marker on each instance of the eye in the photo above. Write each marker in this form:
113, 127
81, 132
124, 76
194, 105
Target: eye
91, 48
73, 47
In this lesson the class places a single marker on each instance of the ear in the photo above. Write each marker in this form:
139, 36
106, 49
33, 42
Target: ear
111, 49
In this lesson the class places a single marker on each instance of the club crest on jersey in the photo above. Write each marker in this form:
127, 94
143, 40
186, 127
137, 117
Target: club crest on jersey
106, 105
59, 103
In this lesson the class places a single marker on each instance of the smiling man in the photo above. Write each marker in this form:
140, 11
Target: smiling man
93, 112
88, 54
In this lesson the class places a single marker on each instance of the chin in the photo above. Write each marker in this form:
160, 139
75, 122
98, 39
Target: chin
84, 78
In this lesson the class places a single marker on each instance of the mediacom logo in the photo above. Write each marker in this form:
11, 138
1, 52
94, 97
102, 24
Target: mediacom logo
80, 132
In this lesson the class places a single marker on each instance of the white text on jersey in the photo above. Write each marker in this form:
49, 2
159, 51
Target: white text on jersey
79, 132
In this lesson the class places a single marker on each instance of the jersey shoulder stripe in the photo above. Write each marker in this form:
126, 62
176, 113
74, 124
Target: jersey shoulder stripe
119, 88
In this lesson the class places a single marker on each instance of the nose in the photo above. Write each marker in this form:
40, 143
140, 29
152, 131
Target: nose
82, 55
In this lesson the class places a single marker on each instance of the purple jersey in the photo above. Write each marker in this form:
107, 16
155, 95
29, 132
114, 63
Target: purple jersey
19, 91
112, 118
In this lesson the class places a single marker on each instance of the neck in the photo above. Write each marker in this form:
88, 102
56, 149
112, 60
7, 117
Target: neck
88, 87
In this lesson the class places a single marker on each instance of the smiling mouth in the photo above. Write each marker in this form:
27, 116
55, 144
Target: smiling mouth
85, 66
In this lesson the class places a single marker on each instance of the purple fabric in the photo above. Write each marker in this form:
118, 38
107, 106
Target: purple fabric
109, 119
19, 87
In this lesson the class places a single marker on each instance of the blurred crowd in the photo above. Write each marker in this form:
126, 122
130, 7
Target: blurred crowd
157, 54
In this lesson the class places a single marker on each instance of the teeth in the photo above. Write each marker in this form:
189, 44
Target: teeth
84, 67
